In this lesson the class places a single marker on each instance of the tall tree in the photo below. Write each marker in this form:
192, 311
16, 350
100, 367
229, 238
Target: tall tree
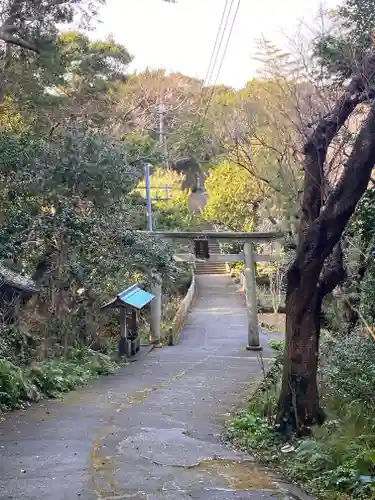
29, 31
329, 199
311, 128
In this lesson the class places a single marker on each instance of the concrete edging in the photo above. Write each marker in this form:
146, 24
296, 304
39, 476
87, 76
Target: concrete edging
180, 317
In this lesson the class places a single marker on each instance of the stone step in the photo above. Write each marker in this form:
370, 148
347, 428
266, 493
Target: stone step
210, 273
207, 267
210, 268
214, 270
209, 263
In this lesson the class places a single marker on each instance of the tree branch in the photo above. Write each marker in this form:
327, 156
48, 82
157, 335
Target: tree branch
353, 182
252, 171
6, 34
8, 31
333, 272
321, 236
363, 97
326, 129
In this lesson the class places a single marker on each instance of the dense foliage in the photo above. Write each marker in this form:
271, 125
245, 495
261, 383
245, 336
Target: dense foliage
233, 196
337, 462
70, 211
50, 379
352, 35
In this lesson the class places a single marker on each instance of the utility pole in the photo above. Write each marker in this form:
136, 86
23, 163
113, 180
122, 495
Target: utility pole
156, 279
161, 121
148, 197
162, 134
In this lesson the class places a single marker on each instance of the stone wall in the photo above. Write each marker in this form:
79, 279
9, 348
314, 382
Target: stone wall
180, 318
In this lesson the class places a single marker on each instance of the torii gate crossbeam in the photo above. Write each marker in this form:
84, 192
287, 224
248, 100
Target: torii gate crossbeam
218, 235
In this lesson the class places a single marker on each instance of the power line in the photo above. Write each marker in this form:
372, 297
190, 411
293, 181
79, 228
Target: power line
222, 58
215, 51
210, 65
214, 57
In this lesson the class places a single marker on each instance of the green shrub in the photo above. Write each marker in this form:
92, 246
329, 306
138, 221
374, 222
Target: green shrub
231, 193
349, 371
332, 464
338, 461
50, 378
17, 346
277, 345
250, 431
15, 386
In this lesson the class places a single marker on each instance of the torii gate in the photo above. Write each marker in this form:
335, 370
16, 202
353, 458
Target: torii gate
248, 256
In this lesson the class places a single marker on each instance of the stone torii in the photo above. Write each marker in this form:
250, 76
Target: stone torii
248, 256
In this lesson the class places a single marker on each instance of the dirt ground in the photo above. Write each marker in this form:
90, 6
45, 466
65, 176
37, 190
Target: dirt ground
273, 322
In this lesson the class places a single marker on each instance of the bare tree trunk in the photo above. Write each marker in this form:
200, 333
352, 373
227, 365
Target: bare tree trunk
299, 406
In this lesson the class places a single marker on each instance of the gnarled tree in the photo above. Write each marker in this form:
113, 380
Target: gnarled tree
317, 266
272, 141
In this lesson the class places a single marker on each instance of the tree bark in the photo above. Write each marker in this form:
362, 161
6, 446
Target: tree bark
299, 406
299, 399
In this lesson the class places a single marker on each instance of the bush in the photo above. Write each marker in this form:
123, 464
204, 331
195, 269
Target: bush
50, 378
368, 293
17, 346
251, 431
349, 371
15, 386
231, 195
338, 461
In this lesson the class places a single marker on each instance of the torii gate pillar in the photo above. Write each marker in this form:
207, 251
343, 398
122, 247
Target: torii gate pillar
253, 343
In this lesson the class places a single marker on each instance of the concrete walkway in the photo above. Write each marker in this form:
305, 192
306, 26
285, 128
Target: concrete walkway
152, 431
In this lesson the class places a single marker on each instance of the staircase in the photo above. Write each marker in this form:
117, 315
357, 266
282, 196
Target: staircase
208, 267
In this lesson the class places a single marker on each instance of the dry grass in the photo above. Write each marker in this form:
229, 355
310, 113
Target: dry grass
275, 322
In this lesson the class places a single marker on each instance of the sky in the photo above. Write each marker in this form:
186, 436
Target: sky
179, 37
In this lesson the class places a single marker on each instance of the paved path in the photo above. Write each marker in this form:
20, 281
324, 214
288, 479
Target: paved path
152, 431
